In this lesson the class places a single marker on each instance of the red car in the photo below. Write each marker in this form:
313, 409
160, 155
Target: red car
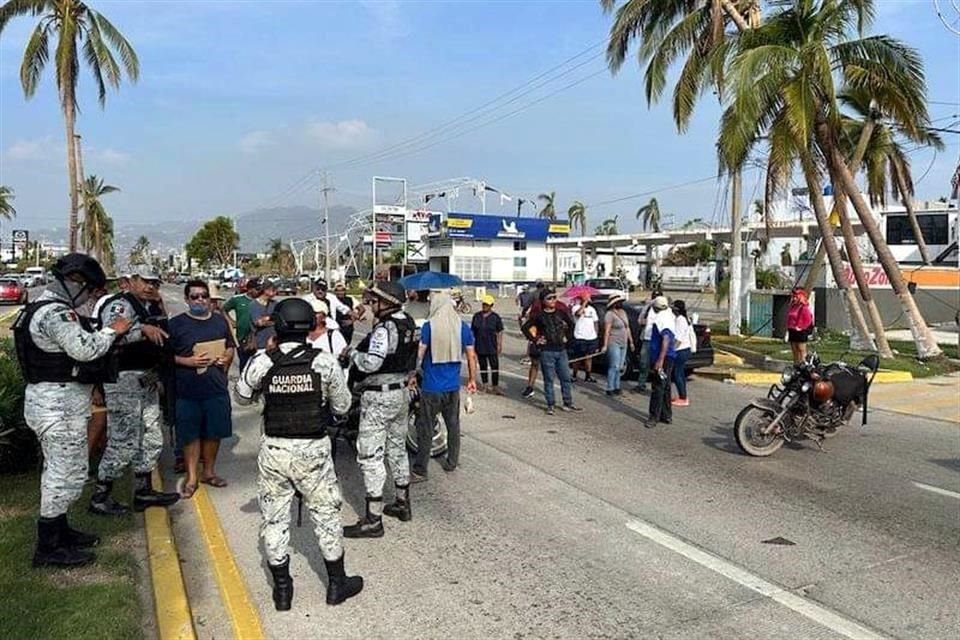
12, 292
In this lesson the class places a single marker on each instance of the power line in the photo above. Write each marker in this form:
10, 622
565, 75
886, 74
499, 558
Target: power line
660, 190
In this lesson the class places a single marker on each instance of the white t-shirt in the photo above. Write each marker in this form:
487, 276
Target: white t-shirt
586, 326
648, 326
683, 333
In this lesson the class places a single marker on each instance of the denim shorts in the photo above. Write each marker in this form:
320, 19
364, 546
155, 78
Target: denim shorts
585, 347
204, 419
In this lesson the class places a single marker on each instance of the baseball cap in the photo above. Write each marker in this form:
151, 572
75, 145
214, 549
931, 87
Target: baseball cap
660, 303
144, 272
488, 299
320, 282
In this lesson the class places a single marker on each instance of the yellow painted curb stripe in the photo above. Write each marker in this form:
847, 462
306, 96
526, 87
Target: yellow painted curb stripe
233, 590
726, 359
174, 618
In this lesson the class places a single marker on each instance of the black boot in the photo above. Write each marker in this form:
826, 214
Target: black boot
370, 525
400, 507
282, 585
51, 551
73, 538
103, 504
339, 586
144, 496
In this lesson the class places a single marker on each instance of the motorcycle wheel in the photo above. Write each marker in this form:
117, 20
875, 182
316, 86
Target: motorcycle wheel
439, 444
746, 429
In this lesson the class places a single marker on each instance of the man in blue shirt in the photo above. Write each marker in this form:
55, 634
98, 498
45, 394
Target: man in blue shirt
662, 354
444, 339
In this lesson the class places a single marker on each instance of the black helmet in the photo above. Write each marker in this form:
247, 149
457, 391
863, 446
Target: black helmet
389, 291
82, 264
294, 315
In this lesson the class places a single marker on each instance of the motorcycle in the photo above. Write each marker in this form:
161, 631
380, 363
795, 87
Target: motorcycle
811, 401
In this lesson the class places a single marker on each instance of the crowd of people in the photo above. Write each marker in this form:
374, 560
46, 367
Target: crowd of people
82, 346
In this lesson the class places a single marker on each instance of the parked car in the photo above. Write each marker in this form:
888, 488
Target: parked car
12, 291
286, 287
606, 287
38, 274
702, 358
182, 278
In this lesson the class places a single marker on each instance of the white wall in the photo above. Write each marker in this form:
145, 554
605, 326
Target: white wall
496, 260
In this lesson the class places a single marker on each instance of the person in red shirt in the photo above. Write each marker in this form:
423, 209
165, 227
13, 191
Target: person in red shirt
799, 324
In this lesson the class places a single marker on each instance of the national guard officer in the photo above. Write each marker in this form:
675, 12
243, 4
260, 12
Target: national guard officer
384, 362
302, 389
62, 357
134, 434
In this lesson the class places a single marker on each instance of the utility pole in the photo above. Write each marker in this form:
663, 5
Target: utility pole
325, 190
736, 257
80, 179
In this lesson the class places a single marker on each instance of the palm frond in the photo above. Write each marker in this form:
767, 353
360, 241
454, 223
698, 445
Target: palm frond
16, 8
35, 58
127, 55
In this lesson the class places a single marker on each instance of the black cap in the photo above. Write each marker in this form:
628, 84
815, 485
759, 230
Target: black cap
320, 282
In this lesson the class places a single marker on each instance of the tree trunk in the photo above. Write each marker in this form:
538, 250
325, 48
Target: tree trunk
914, 224
815, 267
859, 332
856, 265
926, 345
734, 315
70, 120
735, 15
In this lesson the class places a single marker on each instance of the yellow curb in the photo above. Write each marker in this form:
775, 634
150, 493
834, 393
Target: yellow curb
769, 377
174, 618
233, 590
726, 359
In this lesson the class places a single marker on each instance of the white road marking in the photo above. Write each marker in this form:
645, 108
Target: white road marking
804, 606
933, 489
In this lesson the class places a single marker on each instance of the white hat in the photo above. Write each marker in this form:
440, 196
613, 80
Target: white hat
616, 297
319, 306
144, 272
660, 303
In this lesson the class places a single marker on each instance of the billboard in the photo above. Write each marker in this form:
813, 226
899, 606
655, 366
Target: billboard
484, 227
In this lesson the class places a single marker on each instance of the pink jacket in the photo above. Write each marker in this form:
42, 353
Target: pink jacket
799, 317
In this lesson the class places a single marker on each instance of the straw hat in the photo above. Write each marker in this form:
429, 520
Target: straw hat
214, 290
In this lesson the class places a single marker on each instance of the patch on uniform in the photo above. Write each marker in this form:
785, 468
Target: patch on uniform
118, 308
69, 316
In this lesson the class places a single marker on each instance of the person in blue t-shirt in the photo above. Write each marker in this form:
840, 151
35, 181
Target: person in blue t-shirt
444, 340
663, 351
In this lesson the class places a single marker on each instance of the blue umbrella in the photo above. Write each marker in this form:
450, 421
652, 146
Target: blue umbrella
430, 280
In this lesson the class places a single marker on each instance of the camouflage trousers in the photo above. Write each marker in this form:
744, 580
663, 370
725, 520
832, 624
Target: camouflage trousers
134, 434
288, 464
58, 414
383, 432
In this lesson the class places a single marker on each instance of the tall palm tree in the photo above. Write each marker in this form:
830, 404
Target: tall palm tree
280, 255
96, 228
883, 155
80, 33
608, 227
6, 207
788, 68
578, 216
650, 214
549, 210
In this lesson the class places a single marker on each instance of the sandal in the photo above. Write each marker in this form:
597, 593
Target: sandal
214, 481
187, 491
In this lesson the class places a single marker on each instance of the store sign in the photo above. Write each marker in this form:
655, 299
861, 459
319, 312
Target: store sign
21, 237
389, 210
483, 227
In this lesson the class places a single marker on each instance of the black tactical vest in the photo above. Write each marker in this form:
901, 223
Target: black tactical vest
38, 365
404, 359
142, 354
294, 406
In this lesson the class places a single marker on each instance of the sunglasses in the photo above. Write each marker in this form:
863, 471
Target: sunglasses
550, 298
199, 296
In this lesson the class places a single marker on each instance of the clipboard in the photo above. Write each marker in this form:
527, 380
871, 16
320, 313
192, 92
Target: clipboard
213, 348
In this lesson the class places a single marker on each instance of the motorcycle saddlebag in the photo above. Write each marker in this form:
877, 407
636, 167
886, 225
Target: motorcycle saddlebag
848, 384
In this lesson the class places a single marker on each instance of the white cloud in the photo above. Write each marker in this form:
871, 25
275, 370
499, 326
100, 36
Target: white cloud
346, 134
111, 156
30, 149
255, 141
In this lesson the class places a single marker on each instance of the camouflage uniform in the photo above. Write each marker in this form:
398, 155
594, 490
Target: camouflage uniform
383, 414
58, 411
134, 432
302, 464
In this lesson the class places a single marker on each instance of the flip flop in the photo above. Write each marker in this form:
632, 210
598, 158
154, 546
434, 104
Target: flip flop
187, 491
214, 481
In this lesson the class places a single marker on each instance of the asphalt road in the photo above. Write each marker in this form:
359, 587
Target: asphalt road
590, 526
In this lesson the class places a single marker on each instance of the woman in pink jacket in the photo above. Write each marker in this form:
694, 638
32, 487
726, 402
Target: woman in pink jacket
799, 324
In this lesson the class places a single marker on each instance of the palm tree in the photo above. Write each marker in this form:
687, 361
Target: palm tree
80, 32
549, 211
608, 227
883, 155
578, 216
140, 253
280, 255
96, 229
788, 69
650, 213
6, 207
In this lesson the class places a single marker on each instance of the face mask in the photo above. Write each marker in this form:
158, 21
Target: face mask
79, 294
197, 308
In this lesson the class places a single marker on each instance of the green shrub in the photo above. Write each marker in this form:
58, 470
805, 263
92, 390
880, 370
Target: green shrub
18, 445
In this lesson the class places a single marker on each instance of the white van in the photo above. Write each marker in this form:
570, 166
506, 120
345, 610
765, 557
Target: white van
37, 276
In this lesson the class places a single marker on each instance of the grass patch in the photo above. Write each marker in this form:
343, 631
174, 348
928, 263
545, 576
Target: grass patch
97, 602
831, 347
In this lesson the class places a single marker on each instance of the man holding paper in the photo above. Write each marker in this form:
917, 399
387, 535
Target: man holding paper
204, 348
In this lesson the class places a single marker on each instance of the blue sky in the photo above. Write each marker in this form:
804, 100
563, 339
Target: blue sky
238, 100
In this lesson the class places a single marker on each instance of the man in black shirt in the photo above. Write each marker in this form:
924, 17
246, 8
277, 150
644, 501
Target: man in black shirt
551, 330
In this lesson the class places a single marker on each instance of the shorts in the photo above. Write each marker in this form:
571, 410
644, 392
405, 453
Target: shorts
796, 335
583, 348
204, 419
533, 352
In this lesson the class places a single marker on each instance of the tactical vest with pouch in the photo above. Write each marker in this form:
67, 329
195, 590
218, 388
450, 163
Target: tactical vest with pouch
294, 406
